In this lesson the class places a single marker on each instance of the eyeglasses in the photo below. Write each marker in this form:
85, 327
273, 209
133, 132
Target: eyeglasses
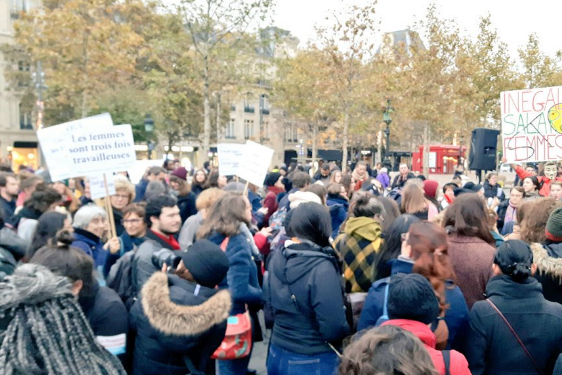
131, 221
119, 196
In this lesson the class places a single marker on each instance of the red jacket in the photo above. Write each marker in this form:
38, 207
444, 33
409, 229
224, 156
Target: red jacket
545, 189
458, 365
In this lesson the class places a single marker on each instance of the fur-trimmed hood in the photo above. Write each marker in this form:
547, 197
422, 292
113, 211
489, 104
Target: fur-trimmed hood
173, 319
546, 264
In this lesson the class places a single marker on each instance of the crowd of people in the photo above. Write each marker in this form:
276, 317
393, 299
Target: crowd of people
351, 272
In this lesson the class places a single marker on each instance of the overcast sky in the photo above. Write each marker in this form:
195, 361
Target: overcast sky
514, 19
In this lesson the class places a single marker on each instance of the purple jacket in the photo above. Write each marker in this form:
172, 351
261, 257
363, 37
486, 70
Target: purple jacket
384, 179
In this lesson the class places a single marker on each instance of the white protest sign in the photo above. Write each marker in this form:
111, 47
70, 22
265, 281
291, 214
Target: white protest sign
102, 151
97, 186
255, 163
532, 124
55, 139
137, 171
230, 156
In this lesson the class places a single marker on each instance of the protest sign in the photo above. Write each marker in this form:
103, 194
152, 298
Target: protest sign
532, 124
55, 139
137, 171
230, 156
255, 163
97, 186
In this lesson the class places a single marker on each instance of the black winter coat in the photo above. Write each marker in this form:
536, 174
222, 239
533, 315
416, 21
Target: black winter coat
176, 318
548, 258
316, 315
108, 318
186, 204
493, 350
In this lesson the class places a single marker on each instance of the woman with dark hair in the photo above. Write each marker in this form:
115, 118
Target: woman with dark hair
491, 187
349, 184
47, 227
516, 319
532, 186
226, 224
216, 180
320, 192
392, 245
44, 330
360, 242
305, 293
338, 204
103, 308
199, 181
43, 199
424, 250
386, 350
472, 246
182, 191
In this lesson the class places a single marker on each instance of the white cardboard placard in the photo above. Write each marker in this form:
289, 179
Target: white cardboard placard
97, 186
255, 163
230, 157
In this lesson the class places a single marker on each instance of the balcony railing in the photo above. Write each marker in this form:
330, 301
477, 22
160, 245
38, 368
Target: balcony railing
249, 109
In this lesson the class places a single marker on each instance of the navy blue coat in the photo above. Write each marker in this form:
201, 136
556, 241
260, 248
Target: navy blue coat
494, 350
316, 315
338, 211
91, 245
242, 277
174, 319
456, 316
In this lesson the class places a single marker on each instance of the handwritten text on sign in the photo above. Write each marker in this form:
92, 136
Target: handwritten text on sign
532, 124
230, 157
255, 162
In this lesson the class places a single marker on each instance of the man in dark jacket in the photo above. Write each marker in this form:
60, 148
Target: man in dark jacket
163, 219
9, 189
180, 319
153, 174
401, 178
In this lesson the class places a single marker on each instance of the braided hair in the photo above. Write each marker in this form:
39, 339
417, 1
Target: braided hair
48, 332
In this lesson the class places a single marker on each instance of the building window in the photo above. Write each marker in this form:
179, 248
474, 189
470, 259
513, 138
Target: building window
19, 6
231, 129
25, 120
264, 105
291, 134
248, 107
265, 131
248, 129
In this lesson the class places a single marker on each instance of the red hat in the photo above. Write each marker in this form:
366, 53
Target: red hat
180, 172
430, 188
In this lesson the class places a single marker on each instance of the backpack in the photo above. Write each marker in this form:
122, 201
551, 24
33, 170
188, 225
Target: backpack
120, 278
384, 317
7, 263
278, 218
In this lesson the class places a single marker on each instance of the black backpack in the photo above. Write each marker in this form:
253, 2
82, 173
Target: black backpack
120, 278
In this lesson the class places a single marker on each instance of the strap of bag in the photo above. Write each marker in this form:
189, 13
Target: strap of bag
385, 306
191, 366
516, 336
447, 361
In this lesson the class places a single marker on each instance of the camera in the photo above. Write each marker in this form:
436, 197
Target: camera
165, 256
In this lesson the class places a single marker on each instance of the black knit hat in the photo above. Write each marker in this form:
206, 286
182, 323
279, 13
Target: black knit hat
206, 262
272, 178
553, 230
411, 296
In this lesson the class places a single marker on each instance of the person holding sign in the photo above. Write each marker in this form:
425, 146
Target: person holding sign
550, 172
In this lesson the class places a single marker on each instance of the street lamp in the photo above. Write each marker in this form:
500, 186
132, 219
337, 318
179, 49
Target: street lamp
149, 128
387, 120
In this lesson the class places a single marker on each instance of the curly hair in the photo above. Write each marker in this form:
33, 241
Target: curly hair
536, 216
429, 243
386, 350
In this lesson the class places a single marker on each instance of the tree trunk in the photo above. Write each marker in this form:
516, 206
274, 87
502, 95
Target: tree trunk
426, 150
218, 117
206, 110
314, 141
85, 82
344, 140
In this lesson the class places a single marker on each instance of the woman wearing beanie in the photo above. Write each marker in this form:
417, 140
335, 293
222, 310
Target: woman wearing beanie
44, 330
181, 190
180, 318
226, 224
413, 306
273, 183
424, 251
515, 331
547, 256
304, 291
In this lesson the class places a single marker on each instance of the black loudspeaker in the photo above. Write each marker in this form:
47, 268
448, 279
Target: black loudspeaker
483, 149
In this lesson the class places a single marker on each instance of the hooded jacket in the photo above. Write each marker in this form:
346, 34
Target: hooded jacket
384, 179
305, 293
494, 350
338, 206
359, 246
26, 222
176, 318
548, 258
458, 363
456, 316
